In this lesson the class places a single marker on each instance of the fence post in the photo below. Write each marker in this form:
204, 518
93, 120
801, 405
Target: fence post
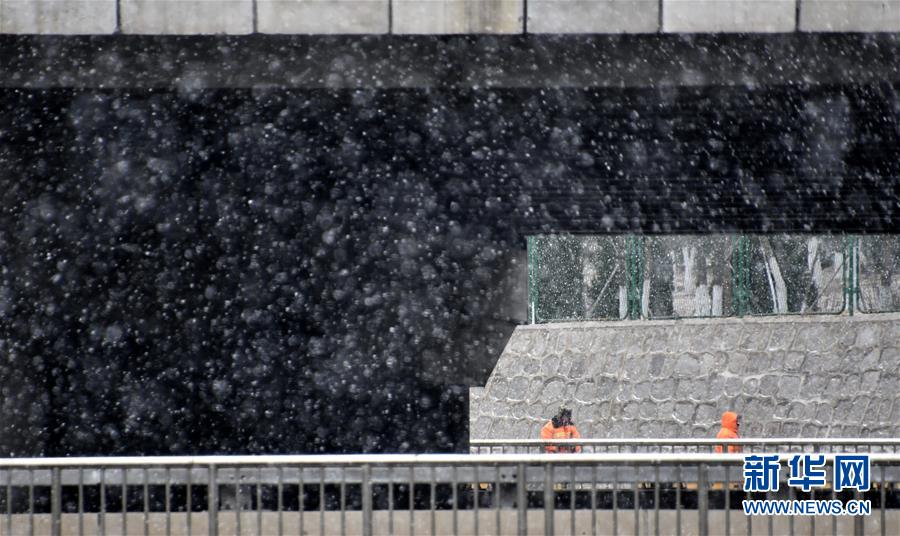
522, 501
549, 499
367, 500
55, 502
702, 500
212, 496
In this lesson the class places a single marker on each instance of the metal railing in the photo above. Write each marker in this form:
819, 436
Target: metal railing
638, 493
689, 445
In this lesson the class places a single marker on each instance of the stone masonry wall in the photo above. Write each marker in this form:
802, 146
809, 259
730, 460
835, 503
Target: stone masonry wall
811, 376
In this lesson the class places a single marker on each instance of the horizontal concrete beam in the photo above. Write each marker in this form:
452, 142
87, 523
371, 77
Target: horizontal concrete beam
458, 16
186, 17
323, 16
850, 15
593, 16
728, 16
66, 17
439, 17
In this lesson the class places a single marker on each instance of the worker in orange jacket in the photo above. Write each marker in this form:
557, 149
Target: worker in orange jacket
731, 423
560, 427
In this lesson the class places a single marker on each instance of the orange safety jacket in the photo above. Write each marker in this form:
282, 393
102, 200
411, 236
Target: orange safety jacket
729, 430
550, 432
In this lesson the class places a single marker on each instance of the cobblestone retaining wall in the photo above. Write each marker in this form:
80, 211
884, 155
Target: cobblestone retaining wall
820, 376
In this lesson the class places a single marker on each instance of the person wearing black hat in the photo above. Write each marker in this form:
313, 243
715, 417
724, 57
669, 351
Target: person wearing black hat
560, 427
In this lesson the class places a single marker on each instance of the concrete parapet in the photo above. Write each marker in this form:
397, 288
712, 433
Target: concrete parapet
812, 376
323, 16
186, 17
64, 17
593, 16
458, 16
850, 15
713, 16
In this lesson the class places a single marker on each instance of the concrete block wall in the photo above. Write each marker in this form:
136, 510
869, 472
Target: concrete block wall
458, 16
435, 17
323, 16
60, 17
815, 376
593, 16
186, 17
850, 16
723, 16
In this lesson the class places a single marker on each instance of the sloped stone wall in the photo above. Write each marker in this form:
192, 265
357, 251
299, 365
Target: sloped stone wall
811, 376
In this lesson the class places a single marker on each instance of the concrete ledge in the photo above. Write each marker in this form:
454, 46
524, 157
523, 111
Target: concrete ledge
593, 16
458, 16
63, 17
186, 17
763, 16
850, 15
322, 16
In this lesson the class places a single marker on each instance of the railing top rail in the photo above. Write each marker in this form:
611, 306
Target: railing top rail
782, 441
328, 460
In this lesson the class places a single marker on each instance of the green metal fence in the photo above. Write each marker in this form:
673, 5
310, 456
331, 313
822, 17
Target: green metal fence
584, 277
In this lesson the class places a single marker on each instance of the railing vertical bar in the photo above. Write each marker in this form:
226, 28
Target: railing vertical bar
412, 500
770, 522
55, 502
883, 499
343, 502
168, 501
455, 498
146, 474
656, 500
702, 500
637, 496
728, 501
615, 500
521, 501
476, 489
593, 500
189, 503
859, 522
103, 502
549, 498
259, 509
237, 500
572, 498
367, 500
9, 499
431, 491
678, 485
791, 495
212, 498
497, 498
391, 500
833, 518
280, 499
31, 501
321, 500
124, 500
80, 501
301, 499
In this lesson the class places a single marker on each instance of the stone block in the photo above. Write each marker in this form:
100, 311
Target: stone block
186, 17
593, 16
60, 17
714, 16
850, 15
326, 17
457, 16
